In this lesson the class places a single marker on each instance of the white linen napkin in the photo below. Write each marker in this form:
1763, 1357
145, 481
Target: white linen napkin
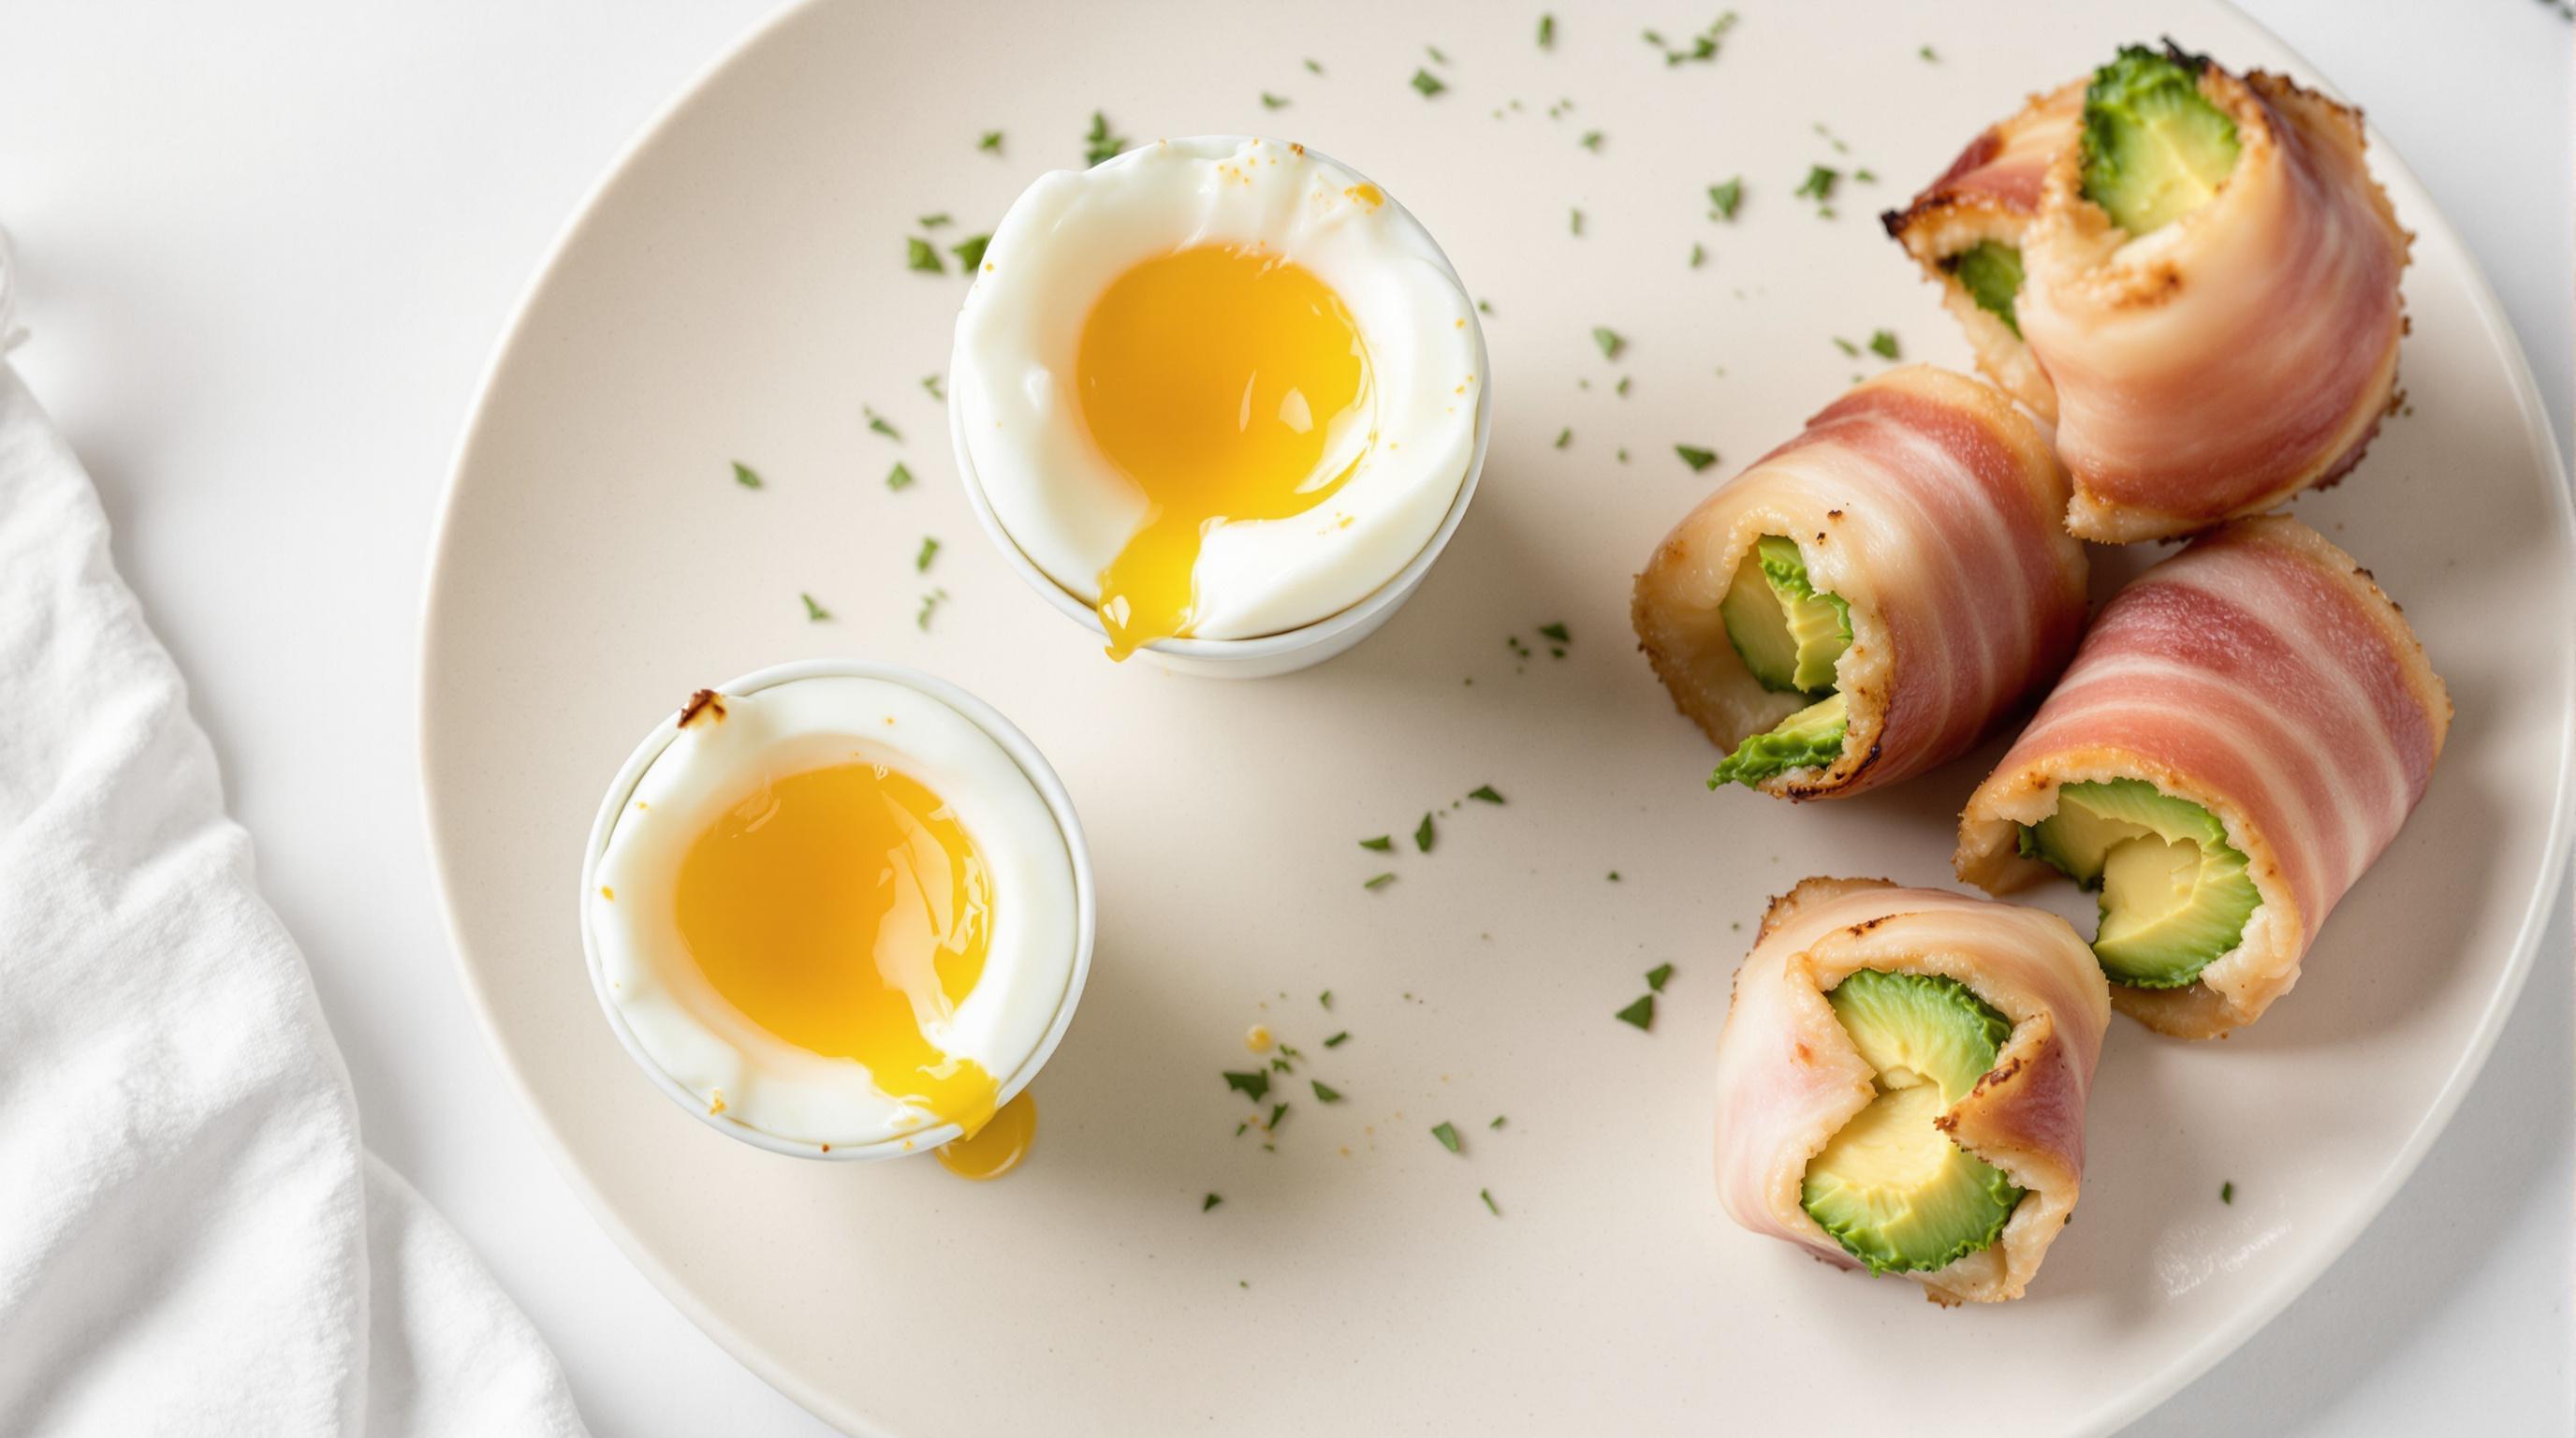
192, 1239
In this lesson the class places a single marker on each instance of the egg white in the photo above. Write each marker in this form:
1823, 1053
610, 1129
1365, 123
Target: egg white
1072, 233
708, 1047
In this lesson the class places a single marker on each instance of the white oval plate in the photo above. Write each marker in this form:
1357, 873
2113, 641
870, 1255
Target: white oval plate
736, 291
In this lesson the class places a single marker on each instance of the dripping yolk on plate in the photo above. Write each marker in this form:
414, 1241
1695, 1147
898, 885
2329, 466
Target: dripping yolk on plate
846, 911
1226, 383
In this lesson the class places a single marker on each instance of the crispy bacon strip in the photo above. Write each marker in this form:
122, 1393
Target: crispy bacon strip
2261, 674
1992, 192
1930, 505
2240, 354
1788, 1077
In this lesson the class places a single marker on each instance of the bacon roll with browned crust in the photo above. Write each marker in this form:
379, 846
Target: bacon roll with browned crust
2209, 290
1902, 1079
2245, 729
1868, 598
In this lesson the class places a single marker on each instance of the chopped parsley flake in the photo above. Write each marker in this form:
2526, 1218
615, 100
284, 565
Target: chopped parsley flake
1697, 458
1337, 1040
932, 222
1428, 83
919, 255
899, 477
1846, 346
1614, 876
1209, 1202
1564, 437
1379, 881
1424, 834
745, 475
1434, 52
2227, 1192
877, 422
1609, 340
1928, 57
992, 142
1656, 977
1726, 197
1883, 344
1547, 32
1100, 144
1697, 254
1448, 1136
1278, 1111
1254, 1085
1325, 1093
1574, 221
1273, 102
1487, 1195
929, 552
1497, 1123
935, 386
1591, 141
813, 611
1326, 999
1641, 1013
929, 605
1381, 843
1866, 176
1621, 388
1314, 67
970, 252
1556, 632
1486, 793
1819, 184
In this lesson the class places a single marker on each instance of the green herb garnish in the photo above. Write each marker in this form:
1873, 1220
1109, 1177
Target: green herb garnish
813, 611
1487, 1195
929, 605
1209, 1202
1254, 1085
1448, 1136
2227, 1192
1326, 999
992, 142
877, 422
1382, 843
1314, 67
1325, 1093
745, 475
1547, 32
932, 222
1486, 793
1556, 632
1564, 437
1656, 976
1883, 344
935, 387
1574, 221
929, 552
1273, 102
1100, 144
1726, 197
1423, 835
1428, 83
1609, 340
1278, 1111
1337, 1040
1697, 255
1819, 184
898, 477
1928, 57
1591, 141
1697, 458
970, 252
1497, 1123
919, 255
1379, 881
1846, 346
1641, 1013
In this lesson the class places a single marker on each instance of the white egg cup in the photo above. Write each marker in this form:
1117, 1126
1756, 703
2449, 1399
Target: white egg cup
1022, 753
1263, 655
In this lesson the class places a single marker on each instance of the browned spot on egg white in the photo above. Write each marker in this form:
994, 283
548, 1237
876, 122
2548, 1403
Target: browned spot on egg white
705, 703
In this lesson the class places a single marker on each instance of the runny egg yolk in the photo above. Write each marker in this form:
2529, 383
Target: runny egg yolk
845, 910
999, 1147
1216, 378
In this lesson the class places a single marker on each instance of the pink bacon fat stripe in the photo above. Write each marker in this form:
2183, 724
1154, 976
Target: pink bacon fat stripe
1930, 505
2240, 354
1788, 1077
1992, 192
2261, 674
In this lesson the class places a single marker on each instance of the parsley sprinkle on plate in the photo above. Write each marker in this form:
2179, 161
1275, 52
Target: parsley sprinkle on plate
919, 255
1486, 793
1100, 144
1254, 1085
1325, 1093
1382, 843
1337, 1040
745, 475
970, 252
1209, 1202
1547, 32
1882, 343
1487, 1195
1447, 1135
929, 552
878, 423
1428, 83
898, 477
1378, 881
1819, 184
1697, 458
1557, 632
1610, 340
813, 611
1273, 102
1726, 197
1656, 976
991, 142
1641, 1013
1424, 834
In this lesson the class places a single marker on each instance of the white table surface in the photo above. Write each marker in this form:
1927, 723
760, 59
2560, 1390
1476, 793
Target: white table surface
267, 253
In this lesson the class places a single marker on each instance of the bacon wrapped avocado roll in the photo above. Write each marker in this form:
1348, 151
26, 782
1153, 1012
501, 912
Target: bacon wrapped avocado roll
2245, 729
1866, 599
2209, 292
1966, 229
1901, 1083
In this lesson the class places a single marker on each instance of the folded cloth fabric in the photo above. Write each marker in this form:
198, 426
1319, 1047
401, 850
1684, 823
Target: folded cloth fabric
195, 1241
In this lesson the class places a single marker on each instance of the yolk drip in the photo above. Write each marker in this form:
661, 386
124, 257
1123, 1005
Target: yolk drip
999, 1147
1215, 378
845, 909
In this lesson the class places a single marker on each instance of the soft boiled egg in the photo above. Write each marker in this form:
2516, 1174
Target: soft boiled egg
1216, 387
835, 911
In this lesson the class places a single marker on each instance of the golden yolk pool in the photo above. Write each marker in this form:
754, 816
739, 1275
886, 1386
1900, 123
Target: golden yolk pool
999, 1147
844, 909
1215, 378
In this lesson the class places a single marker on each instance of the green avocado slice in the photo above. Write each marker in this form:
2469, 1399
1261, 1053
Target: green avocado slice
2176, 895
1990, 271
1788, 634
1890, 1186
2154, 148
1808, 739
